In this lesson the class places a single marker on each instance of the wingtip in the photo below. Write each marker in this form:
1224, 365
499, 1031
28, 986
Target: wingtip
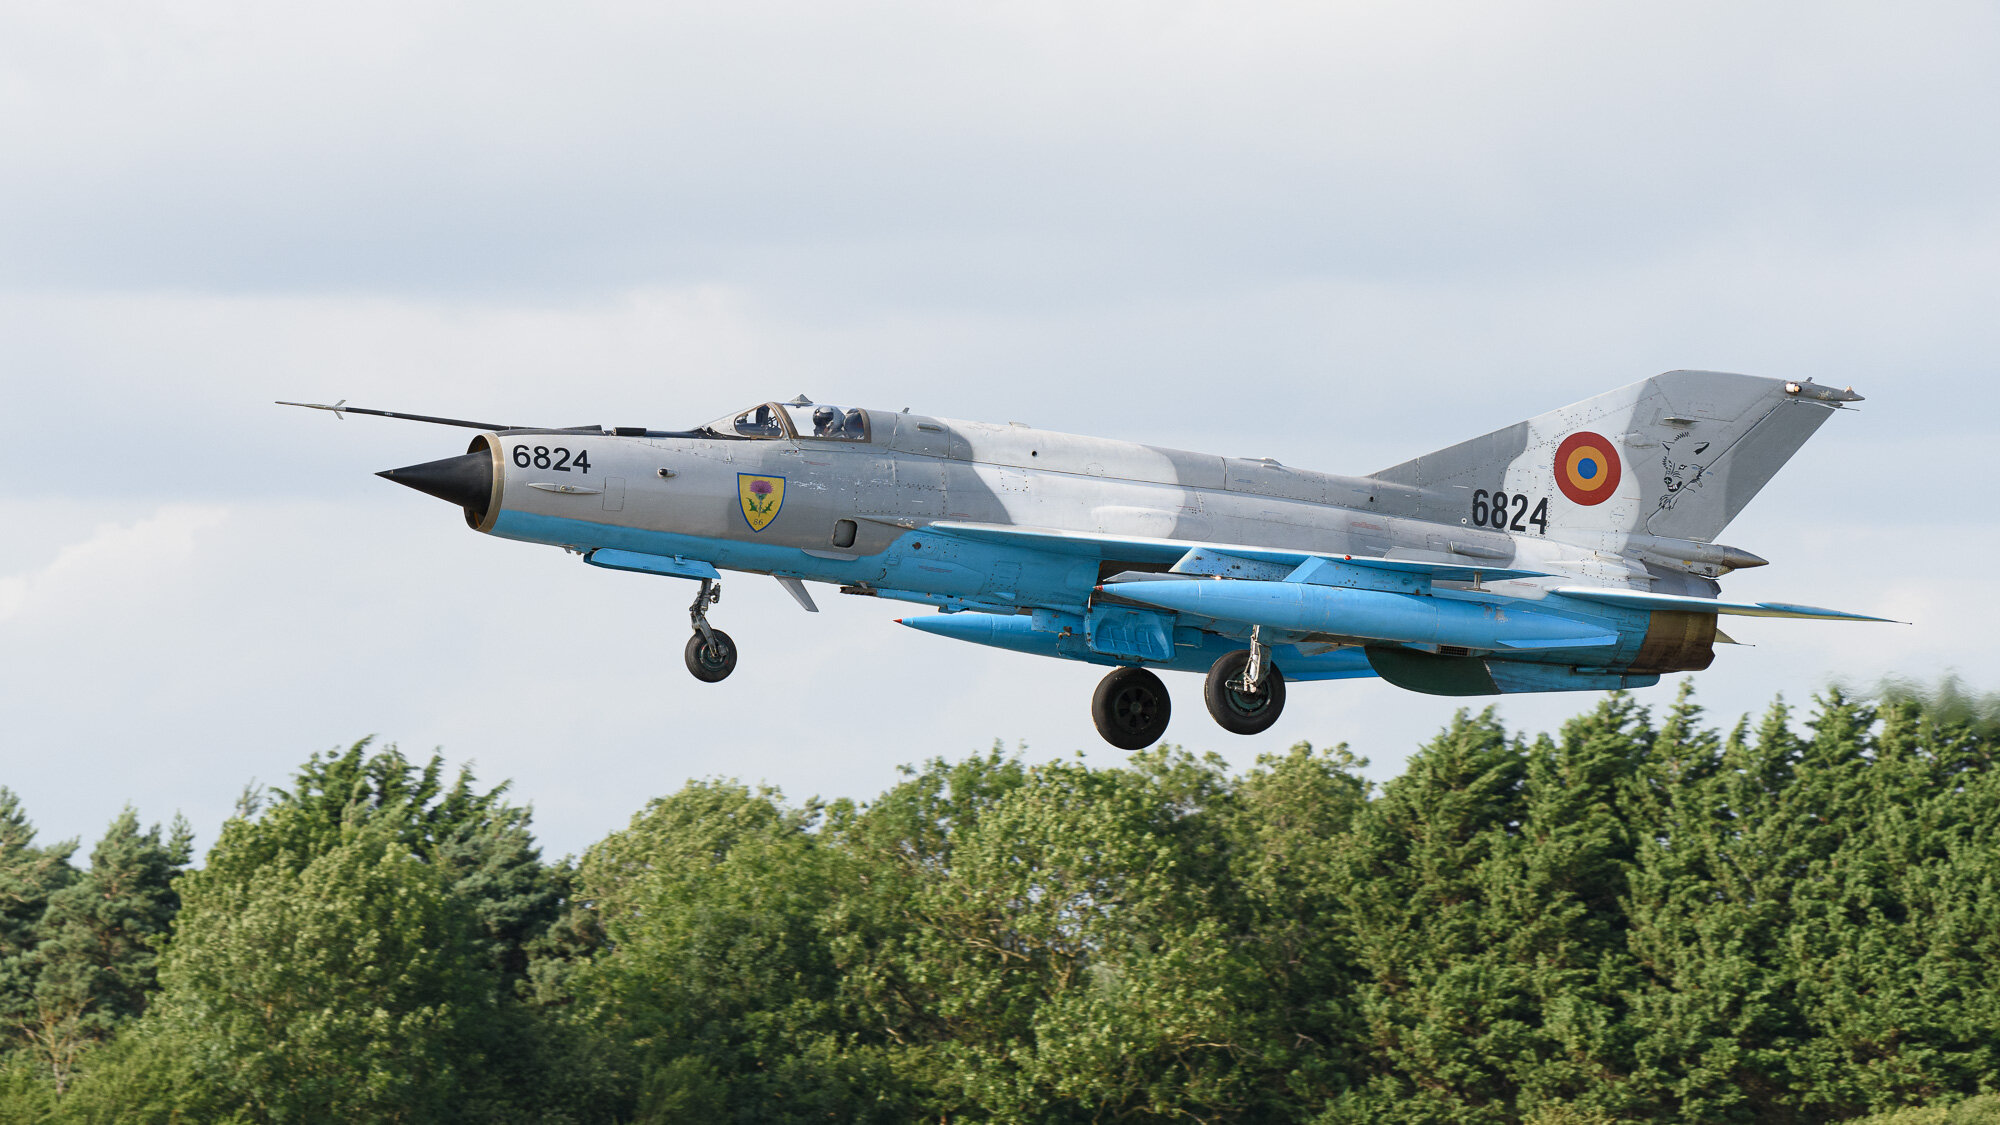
1806, 388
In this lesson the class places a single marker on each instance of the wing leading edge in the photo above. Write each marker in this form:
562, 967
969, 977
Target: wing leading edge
1145, 549
1635, 599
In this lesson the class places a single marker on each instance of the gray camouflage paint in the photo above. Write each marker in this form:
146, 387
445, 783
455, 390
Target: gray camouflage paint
1696, 447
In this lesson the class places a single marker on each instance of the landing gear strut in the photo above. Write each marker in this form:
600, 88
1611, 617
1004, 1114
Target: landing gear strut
711, 655
1245, 691
1131, 709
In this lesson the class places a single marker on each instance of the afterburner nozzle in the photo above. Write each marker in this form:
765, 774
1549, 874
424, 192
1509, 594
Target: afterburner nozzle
465, 480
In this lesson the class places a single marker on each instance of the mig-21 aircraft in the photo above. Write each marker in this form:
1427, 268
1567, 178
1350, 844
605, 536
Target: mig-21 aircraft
1574, 551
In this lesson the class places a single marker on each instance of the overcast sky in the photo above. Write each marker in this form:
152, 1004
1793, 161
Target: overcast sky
1335, 234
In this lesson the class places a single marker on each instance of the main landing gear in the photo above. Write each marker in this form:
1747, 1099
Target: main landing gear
711, 655
1131, 708
1245, 693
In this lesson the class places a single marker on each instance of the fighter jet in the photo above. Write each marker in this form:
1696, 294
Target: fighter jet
1574, 551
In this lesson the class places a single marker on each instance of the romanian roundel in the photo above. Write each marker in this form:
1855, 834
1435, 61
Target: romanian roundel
1587, 468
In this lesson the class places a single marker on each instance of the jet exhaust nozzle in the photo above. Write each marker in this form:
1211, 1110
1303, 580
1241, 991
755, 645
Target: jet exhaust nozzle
465, 480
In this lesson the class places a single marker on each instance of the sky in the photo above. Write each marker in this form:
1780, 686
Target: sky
1337, 234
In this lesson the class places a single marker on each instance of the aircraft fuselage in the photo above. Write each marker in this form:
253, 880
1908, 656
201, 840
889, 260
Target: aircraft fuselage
1569, 552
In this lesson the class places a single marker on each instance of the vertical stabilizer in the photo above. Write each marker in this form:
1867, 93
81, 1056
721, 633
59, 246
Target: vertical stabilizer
1674, 456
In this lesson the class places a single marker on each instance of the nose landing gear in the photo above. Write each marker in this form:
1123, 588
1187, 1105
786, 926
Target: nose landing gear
1245, 692
710, 654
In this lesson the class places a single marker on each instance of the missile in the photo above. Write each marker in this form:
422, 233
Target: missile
1012, 632
1303, 607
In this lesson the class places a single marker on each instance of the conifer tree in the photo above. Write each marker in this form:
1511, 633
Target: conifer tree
1561, 899
28, 876
1439, 1006
1289, 828
94, 957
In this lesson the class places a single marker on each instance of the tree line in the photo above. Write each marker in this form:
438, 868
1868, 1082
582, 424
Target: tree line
1636, 918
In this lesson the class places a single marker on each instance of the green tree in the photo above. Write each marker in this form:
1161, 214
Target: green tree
1896, 932
1483, 890
93, 961
480, 841
716, 967
347, 984
1289, 830
1061, 943
29, 874
1791, 921
356, 945
1435, 1001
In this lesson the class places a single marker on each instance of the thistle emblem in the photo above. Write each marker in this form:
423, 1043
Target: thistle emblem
761, 498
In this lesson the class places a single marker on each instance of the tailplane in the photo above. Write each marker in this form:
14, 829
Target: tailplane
1676, 456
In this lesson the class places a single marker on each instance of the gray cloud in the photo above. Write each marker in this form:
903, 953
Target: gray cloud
929, 150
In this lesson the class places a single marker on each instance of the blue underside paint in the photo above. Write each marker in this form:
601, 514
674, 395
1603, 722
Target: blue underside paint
612, 558
1514, 676
1043, 635
957, 573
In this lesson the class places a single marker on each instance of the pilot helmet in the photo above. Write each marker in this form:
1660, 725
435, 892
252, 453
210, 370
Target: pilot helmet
826, 420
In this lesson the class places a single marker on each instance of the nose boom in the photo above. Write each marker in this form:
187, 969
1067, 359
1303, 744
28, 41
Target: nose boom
465, 480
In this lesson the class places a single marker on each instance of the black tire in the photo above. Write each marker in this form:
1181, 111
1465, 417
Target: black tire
1234, 711
711, 662
1131, 709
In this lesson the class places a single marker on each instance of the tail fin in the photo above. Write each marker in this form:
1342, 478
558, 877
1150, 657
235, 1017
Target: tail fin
1675, 456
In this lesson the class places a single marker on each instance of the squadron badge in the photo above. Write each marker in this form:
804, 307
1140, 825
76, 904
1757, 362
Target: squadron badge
761, 498
1587, 468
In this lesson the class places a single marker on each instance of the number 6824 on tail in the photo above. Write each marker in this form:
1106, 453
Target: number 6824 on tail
1507, 511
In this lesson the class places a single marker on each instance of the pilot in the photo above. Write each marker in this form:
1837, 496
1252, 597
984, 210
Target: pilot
828, 422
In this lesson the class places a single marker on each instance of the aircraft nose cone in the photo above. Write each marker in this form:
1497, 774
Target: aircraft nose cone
465, 480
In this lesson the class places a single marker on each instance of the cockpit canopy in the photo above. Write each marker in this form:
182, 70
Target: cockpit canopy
807, 421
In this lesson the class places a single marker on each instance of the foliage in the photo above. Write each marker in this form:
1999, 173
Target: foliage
1792, 920
76, 948
1948, 702
29, 876
347, 986
94, 959
355, 947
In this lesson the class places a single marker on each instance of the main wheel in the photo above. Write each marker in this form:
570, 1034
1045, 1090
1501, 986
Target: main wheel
711, 660
1131, 709
1237, 711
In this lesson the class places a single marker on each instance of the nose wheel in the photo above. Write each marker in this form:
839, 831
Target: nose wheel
711, 655
1131, 709
1245, 692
